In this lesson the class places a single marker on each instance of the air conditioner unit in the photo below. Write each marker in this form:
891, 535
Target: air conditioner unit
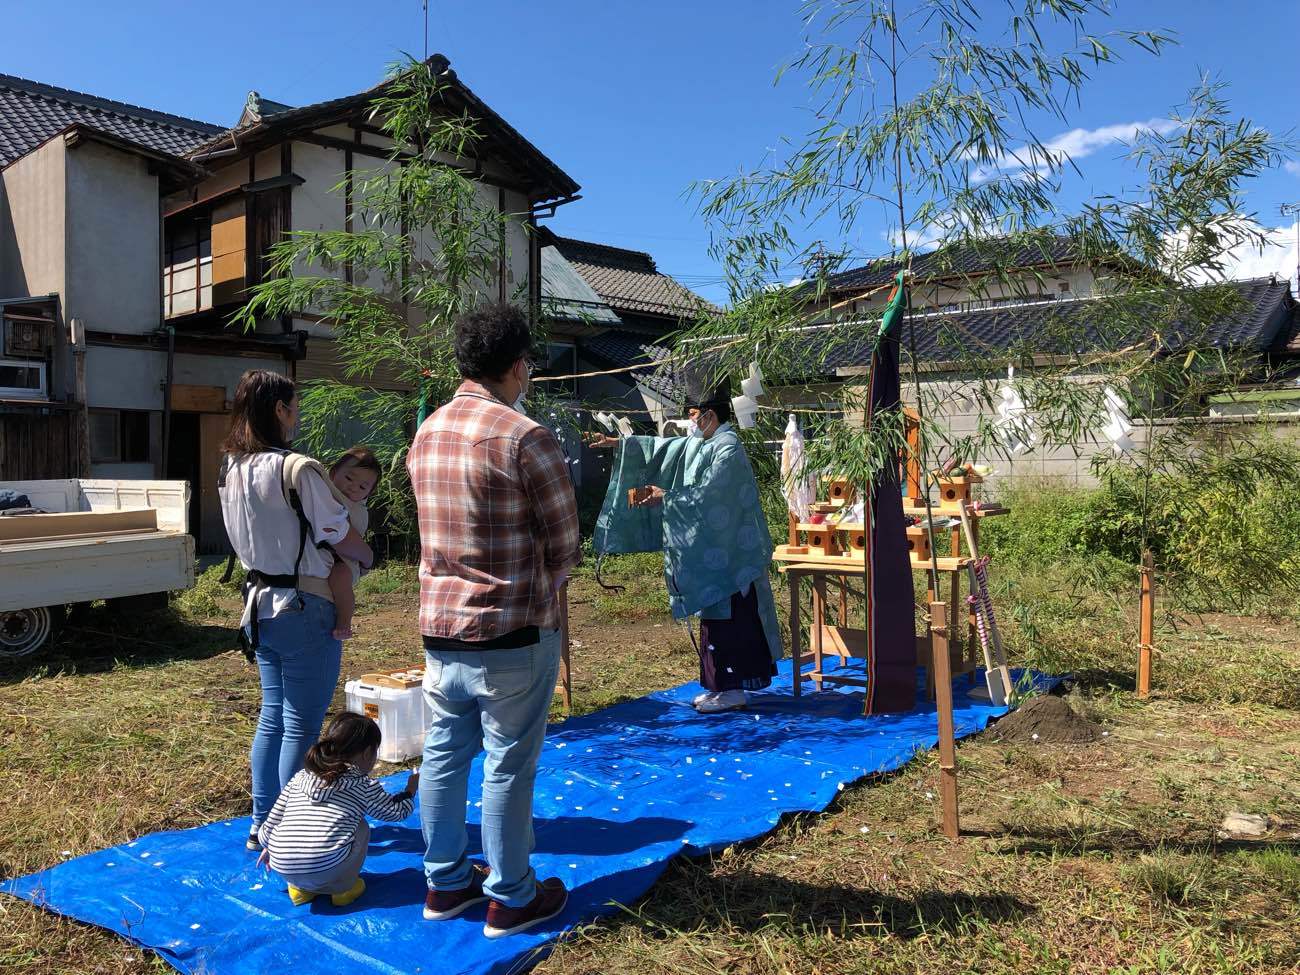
24, 338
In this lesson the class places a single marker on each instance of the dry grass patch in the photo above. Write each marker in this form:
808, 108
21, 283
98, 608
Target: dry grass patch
1077, 858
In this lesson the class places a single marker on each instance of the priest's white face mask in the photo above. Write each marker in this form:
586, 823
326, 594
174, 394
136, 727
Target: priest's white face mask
703, 423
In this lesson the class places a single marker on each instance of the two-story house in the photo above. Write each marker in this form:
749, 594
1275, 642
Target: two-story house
128, 236
995, 305
622, 329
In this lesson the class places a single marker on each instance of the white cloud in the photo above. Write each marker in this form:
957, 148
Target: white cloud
1276, 255
921, 238
1070, 146
1292, 166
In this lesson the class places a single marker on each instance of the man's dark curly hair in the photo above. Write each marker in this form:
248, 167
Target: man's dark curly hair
490, 339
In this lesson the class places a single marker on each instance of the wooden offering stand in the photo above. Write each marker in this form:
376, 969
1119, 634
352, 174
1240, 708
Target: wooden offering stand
831, 552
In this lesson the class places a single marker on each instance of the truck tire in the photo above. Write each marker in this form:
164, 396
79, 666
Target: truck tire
24, 631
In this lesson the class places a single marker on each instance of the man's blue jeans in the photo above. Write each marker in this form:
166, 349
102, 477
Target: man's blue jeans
298, 662
497, 700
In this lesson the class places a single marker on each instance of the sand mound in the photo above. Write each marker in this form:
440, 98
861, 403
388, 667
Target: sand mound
1046, 719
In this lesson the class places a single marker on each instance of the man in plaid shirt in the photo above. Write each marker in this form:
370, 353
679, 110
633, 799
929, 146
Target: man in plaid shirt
498, 536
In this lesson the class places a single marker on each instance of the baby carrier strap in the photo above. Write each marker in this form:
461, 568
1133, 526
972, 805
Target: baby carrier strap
256, 581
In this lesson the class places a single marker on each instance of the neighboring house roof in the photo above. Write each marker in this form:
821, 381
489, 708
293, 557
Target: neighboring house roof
264, 120
1066, 327
618, 349
31, 113
629, 281
567, 297
963, 260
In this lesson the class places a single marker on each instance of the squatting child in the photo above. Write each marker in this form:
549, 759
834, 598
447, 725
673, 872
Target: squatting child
316, 834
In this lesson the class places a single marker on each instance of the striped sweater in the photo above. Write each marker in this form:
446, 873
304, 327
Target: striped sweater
311, 825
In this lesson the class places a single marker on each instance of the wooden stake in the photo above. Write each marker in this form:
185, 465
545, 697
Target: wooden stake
565, 685
943, 705
912, 428
1146, 625
793, 578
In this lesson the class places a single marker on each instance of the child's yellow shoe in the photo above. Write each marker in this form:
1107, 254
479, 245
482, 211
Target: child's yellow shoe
351, 894
300, 896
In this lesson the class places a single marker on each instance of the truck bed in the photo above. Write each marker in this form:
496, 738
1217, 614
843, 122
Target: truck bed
75, 570
82, 567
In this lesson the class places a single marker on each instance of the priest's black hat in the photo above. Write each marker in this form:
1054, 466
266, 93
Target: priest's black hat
703, 395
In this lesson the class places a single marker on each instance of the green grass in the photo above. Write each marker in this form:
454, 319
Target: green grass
1178, 878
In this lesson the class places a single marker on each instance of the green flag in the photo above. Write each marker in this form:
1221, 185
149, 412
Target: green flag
897, 304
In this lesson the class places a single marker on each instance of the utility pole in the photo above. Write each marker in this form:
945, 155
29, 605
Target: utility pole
426, 30
819, 261
1292, 210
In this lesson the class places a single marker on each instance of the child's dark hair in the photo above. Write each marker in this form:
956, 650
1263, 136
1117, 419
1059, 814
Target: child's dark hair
362, 457
348, 736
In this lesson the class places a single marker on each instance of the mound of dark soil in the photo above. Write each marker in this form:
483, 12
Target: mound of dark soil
1046, 719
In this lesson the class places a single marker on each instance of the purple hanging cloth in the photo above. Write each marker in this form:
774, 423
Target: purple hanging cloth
891, 635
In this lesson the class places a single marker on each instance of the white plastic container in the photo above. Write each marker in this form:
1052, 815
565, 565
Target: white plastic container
396, 702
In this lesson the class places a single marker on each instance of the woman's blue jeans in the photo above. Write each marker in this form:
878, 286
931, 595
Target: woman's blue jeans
299, 665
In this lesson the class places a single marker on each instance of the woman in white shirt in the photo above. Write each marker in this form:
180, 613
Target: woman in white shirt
288, 612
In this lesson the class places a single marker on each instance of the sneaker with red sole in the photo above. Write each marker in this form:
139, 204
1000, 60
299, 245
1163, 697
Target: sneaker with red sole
441, 905
550, 900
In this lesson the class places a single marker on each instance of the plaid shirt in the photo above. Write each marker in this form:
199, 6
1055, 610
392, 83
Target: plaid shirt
498, 519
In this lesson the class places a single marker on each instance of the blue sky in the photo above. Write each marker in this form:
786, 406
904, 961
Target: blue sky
635, 100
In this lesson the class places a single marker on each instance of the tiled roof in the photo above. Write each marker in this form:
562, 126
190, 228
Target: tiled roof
1074, 326
566, 296
550, 179
960, 260
619, 348
31, 113
629, 281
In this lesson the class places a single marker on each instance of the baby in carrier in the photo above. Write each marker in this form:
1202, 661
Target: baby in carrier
354, 476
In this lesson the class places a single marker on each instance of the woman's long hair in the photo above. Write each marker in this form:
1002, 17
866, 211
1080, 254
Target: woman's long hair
348, 737
254, 426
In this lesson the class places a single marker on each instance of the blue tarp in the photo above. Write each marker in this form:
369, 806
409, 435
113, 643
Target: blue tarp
619, 794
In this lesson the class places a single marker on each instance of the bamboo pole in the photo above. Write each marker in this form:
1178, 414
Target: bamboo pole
1146, 625
943, 706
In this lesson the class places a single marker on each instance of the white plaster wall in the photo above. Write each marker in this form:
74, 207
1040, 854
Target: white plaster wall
125, 379
113, 238
225, 176
315, 207
33, 235
212, 370
517, 245
268, 163
952, 406
132, 379
341, 131
34, 189
1080, 280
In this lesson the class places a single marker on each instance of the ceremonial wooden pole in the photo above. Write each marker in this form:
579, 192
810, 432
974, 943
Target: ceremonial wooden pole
1146, 625
943, 706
